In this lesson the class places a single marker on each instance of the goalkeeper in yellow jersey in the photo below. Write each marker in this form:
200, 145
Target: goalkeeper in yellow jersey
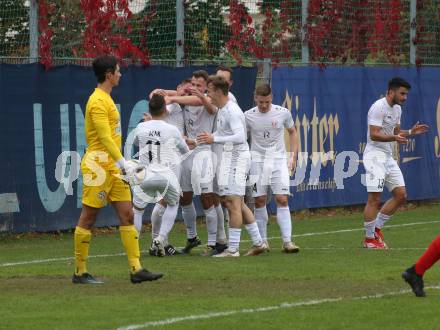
101, 166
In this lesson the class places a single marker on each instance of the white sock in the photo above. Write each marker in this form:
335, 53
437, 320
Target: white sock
369, 229
211, 225
262, 218
156, 219
138, 219
285, 223
189, 217
221, 234
381, 219
168, 218
234, 239
254, 233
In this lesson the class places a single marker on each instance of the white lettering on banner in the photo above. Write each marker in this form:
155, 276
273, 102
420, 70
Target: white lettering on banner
80, 149
9, 203
353, 164
51, 200
73, 159
316, 143
322, 130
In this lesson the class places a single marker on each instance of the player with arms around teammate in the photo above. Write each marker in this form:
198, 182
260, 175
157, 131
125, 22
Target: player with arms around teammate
101, 167
232, 164
270, 166
381, 168
197, 170
160, 144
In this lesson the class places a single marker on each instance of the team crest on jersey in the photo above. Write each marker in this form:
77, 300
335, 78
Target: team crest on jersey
101, 195
274, 124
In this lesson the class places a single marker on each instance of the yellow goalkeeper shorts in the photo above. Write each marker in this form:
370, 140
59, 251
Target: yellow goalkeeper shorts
102, 187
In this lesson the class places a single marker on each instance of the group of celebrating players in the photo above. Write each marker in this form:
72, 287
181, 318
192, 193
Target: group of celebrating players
194, 141
217, 162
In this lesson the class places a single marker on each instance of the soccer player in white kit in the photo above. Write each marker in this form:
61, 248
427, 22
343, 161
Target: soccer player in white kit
270, 166
160, 147
197, 175
381, 168
226, 73
232, 164
175, 117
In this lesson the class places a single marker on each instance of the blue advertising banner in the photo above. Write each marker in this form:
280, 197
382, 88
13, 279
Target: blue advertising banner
42, 120
330, 111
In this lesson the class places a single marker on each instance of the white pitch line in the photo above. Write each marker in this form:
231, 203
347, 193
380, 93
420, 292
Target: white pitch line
354, 229
205, 316
39, 261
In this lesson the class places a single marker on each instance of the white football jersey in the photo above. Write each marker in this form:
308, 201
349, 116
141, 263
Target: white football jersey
267, 131
232, 97
175, 116
383, 115
227, 117
198, 120
159, 142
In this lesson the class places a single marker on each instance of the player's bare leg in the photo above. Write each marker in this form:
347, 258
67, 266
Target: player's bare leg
388, 209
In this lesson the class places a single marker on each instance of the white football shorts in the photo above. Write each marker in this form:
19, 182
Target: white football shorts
381, 171
270, 173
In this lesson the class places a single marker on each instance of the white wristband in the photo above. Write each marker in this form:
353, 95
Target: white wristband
120, 163
409, 132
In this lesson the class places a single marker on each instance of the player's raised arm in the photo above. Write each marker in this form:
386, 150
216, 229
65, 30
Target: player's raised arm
415, 130
206, 100
163, 92
185, 100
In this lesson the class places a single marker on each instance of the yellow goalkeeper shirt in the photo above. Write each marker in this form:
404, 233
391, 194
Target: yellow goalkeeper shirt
103, 130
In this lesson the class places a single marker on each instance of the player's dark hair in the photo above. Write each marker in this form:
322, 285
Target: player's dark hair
224, 68
263, 90
219, 83
102, 65
397, 82
201, 74
157, 105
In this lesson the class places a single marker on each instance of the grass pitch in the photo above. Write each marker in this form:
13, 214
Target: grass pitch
333, 283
